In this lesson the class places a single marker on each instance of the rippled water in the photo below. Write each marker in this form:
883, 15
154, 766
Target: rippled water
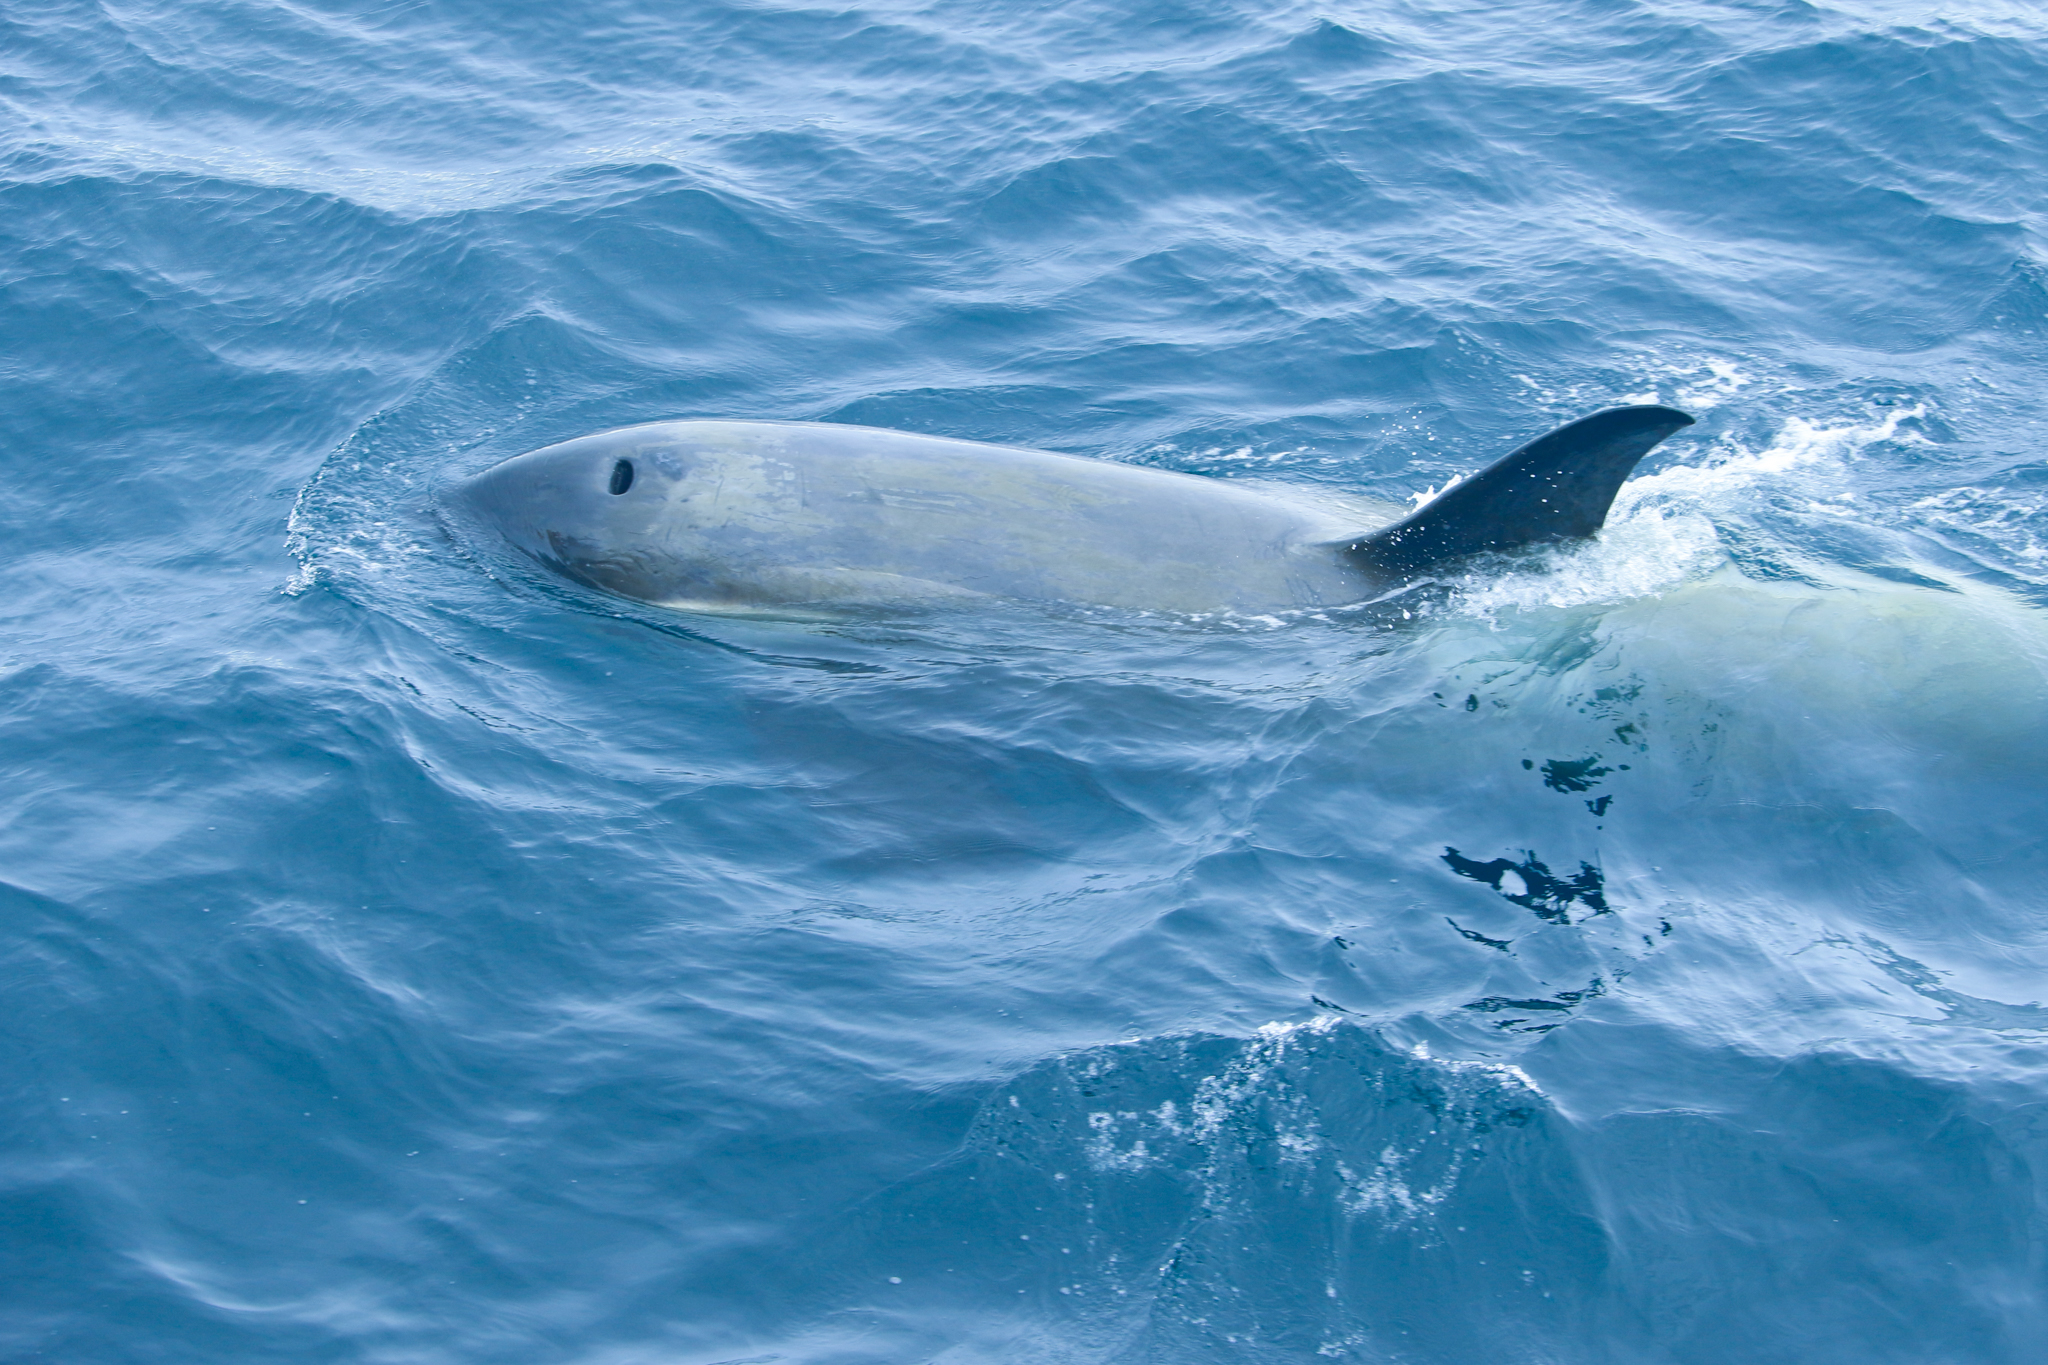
1635, 956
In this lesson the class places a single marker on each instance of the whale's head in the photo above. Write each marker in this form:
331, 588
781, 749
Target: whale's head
590, 509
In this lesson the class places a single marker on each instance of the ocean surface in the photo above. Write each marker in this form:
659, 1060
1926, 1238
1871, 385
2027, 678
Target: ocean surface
1639, 956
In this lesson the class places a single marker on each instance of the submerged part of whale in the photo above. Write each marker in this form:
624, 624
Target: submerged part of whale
790, 515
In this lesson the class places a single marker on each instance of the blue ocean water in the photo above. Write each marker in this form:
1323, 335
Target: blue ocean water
1636, 957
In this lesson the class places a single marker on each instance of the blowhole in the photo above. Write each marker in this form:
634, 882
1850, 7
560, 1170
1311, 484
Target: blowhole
622, 476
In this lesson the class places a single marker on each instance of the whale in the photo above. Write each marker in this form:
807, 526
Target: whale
771, 516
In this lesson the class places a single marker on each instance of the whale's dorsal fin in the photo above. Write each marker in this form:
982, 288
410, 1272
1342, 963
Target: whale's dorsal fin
1558, 487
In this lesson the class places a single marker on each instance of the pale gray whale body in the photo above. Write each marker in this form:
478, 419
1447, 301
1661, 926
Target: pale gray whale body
770, 516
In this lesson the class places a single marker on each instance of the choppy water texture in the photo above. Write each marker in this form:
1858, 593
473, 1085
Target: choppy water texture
1634, 957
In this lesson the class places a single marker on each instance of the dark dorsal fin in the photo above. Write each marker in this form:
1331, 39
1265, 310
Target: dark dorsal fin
1558, 487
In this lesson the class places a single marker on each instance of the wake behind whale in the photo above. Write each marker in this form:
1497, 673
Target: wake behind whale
743, 515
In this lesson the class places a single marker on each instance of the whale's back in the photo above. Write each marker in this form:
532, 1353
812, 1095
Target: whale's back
772, 514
